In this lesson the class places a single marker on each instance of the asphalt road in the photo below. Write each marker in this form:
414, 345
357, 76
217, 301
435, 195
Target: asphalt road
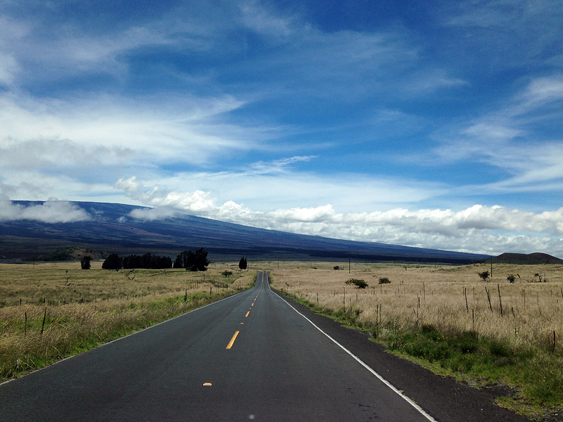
248, 357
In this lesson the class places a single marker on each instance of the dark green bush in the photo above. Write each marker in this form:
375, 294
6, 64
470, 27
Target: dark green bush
360, 283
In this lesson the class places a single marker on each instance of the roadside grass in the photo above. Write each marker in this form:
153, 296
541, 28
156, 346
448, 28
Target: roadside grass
435, 316
99, 306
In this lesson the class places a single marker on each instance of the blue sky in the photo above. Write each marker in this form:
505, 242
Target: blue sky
392, 121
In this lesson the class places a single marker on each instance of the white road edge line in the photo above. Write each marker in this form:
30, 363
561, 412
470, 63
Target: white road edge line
383, 380
121, 338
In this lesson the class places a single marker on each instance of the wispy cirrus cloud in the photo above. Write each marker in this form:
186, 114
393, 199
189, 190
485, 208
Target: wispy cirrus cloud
512, 139
111, 130
510, 33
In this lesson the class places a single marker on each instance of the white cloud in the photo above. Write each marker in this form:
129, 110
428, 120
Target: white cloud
106, 131
257, 18
477, 229
37, 185
8, 68
48, 212
510, 139
539, 93
510, 33
266, 186
277, 166
130, 185
151, 214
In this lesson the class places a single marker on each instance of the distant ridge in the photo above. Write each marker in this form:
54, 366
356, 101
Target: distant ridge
112, 229
536, 258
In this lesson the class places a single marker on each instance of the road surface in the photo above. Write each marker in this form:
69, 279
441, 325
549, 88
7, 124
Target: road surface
251, 356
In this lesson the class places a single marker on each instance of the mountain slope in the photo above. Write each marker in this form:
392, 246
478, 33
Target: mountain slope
536, 258
112, 229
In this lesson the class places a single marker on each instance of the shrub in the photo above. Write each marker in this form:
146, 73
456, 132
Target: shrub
384, 280
336, 267
484, 275
511, 278
227, 273
360, 283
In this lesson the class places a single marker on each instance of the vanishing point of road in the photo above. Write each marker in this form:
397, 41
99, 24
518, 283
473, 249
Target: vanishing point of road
252, 356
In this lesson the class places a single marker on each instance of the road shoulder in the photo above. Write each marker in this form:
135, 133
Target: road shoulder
443, 398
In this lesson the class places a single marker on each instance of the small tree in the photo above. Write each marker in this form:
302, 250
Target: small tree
85, 262
384, 280
243, 264
227, 273
511, 278
484, 275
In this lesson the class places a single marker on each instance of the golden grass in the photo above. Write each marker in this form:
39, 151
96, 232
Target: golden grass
85, 308
433, 294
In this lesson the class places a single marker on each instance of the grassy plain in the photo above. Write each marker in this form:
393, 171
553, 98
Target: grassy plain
52, 310
444, 317
449, 319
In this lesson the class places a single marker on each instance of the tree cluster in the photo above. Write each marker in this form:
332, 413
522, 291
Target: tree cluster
115, 262
147, 261
192, 261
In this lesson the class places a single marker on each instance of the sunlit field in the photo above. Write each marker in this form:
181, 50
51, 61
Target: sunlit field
448, 297
52, 310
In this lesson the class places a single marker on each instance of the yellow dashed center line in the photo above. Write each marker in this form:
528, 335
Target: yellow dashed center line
232, 340
242, 323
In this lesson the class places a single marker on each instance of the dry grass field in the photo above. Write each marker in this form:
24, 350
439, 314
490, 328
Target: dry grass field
52, 310
448, 297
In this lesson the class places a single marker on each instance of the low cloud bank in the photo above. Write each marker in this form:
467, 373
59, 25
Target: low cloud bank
151, 214
478, 229
48, 212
